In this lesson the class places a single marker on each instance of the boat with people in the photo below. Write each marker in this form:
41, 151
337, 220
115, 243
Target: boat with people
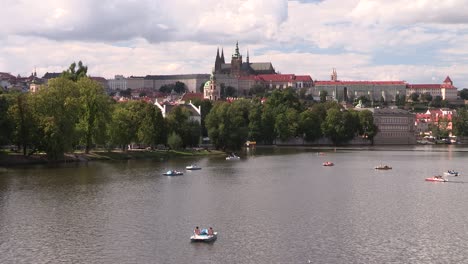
328, 164
204, 235
173, 173
193, 167
233, 156
383, 167
451, 173
437, 178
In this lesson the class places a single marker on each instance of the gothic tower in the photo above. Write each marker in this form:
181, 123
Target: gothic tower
218, 62
236, 62
334, 76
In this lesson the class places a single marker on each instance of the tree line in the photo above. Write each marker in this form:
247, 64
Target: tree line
74, 112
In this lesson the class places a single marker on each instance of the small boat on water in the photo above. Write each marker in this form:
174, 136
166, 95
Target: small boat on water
328, 163
437, 178
233, 156
383, 167
451, 173
193, 167
204, 236
173, 173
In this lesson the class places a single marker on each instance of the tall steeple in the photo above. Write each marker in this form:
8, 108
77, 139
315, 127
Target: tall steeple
236, 52
222, 56
217, 67
248, 56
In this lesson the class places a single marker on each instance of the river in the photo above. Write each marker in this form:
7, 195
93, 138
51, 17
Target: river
275, 205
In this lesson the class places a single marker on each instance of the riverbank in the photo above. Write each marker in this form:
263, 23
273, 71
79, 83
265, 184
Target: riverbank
8, 159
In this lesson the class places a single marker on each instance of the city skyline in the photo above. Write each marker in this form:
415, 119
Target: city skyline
416, 42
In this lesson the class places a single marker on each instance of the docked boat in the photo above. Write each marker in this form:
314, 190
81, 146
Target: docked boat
383, 167
328, 163
451, 173
233, 157
437, 178
193, 167
173, 173
204, 238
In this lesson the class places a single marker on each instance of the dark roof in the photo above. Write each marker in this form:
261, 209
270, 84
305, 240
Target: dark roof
390, 111
50, 75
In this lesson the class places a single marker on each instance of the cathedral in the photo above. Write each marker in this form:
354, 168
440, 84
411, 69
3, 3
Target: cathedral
238, 67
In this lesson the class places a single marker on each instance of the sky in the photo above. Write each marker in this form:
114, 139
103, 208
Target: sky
417, 41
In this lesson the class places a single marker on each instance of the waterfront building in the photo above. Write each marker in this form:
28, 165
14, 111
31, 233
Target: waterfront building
434, 117
395, 127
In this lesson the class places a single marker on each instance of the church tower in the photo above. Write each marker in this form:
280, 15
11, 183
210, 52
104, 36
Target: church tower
211, 91
334, 76
236, 62
218, 62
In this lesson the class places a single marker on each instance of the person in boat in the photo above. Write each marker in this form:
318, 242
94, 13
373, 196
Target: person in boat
210, 231
197, 231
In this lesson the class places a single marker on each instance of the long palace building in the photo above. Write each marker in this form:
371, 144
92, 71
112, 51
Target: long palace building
378, 90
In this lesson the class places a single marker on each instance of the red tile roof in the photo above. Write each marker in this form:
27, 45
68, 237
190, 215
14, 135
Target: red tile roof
360, 83
191, 96
430, 86
448, 80
303, 78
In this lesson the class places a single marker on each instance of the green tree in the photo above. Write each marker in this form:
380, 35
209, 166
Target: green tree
126, 93
414, 97
6, 123
56, 110
464, 94
427, 97
122, 130
400, 99
323, 96
364, 100
255, 121
367, 128
340, 126
174, 141
73, 73
25, 129
180, 87
152, 129
309, 125
437, 101
227, 124
460, 123
258, 90
230, 91
94, 114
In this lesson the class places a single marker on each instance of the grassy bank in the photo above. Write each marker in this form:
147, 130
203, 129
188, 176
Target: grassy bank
16, 159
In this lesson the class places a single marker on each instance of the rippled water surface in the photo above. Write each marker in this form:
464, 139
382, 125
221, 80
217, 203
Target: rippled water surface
273, 206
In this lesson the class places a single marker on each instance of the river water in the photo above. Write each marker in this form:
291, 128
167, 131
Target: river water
275, 205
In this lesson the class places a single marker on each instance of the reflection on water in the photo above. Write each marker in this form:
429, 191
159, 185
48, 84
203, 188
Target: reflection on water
275, 205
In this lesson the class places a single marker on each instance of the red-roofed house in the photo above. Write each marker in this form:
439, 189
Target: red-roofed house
441, 117
446, 90
281, 81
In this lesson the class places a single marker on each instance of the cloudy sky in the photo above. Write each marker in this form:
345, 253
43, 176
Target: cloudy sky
418, 41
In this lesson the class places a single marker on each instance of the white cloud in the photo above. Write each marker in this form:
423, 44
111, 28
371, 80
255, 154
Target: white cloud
171, 37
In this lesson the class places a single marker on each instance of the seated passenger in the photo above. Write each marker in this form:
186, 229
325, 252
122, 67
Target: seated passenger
197, 231
210, 231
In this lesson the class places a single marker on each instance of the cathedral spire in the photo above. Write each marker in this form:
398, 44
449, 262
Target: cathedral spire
222, 56
248, 56
236, 53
